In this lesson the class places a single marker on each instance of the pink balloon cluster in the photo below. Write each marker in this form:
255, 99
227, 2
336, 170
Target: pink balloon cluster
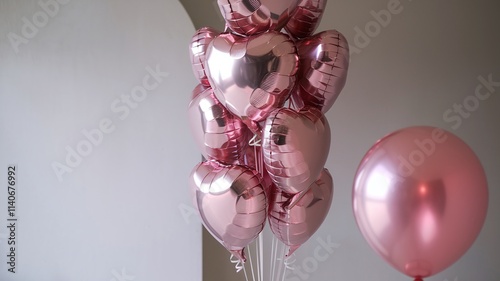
258, 119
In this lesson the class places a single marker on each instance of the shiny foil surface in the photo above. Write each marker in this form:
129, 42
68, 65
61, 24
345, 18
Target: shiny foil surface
294, 225
295, 147
218, 133
231, 202
305, 18
249, 17
198, 48
324, 63
253, 75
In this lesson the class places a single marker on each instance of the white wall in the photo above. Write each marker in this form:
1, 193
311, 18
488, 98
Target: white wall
115, 212
411, 71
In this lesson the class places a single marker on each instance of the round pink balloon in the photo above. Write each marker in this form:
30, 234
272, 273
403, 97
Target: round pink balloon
253, 75
295, 146
198, 49
231, 202
305, 18
293, 223
324, 62
219, 134
420, 199
249, 17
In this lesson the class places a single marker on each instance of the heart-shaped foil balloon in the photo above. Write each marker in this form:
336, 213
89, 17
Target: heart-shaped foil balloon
324, 61
198, 49
219, 134
249, 17
295, 146
231, 202
253, 75
305, 18
295, 225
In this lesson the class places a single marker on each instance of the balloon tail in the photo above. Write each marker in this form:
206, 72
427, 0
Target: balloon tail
291, 250
238, 264
239, 254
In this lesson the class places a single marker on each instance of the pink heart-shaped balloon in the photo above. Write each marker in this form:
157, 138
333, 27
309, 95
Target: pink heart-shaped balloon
253, 75
305, 18
324, 62
219, 134
295, 146
295, 225
249, 17
231, 202
198, 49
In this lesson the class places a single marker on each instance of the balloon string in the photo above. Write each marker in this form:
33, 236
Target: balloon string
258, 257
261, 256
251, 263
245, 272
281, 259
271, 260
257, 262
274, 256
284, 273
255, 141
290, 261
238, 265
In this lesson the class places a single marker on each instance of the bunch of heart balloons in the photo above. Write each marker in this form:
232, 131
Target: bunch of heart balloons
420, 194
258, 119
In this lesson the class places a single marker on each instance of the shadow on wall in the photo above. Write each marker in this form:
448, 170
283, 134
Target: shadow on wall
204, 13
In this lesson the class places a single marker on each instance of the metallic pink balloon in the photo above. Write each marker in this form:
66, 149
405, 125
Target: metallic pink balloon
295, 147
219, 134
295, 225
252, 76
198, 49
420, 199
249, 17
324, 61
305, 18
231, 202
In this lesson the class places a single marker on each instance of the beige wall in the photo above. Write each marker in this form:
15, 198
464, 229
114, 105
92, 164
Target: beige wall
410, 72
